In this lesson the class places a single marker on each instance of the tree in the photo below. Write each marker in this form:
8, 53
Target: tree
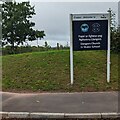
112, 20
58, 46
66, 46
16, 25
47, 46
61, 46
115, 34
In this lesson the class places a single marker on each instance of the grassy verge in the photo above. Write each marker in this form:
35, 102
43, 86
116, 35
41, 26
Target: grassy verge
50, 71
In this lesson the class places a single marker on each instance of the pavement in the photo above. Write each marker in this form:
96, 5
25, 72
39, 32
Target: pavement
54, 105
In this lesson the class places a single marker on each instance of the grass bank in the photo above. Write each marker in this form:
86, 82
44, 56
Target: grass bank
50, 71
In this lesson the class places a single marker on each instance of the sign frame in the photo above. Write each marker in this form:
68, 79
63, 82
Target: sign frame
81, 17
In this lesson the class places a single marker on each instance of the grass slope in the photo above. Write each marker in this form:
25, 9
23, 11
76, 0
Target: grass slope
50, 71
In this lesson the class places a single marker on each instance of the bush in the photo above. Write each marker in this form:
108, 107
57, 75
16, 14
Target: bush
115, 41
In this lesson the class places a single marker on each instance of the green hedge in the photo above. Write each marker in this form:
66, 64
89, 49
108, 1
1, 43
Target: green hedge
24, 49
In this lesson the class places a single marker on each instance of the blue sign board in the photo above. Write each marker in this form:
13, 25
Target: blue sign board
90, 34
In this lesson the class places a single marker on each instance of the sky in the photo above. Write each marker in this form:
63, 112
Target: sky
53, 17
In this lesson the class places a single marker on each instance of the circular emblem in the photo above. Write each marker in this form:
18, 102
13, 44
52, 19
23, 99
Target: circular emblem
84, 27
96, 27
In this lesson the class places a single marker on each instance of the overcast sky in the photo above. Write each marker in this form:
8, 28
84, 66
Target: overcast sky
53, 17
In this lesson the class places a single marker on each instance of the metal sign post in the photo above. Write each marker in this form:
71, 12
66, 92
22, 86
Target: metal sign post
71, 51
108, 51
89, 32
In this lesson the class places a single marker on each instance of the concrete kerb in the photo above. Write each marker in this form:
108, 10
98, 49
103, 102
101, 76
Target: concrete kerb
14, 114
82, 115
47, 115
110, 115
58, 115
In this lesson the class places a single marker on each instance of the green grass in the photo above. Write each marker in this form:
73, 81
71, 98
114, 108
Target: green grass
50, 71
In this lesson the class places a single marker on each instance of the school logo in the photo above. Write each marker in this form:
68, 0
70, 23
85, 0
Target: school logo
84, 28
96, 27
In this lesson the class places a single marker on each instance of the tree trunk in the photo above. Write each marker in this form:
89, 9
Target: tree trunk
13, 49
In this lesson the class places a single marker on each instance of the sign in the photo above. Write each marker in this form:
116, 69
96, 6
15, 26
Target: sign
90, 32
